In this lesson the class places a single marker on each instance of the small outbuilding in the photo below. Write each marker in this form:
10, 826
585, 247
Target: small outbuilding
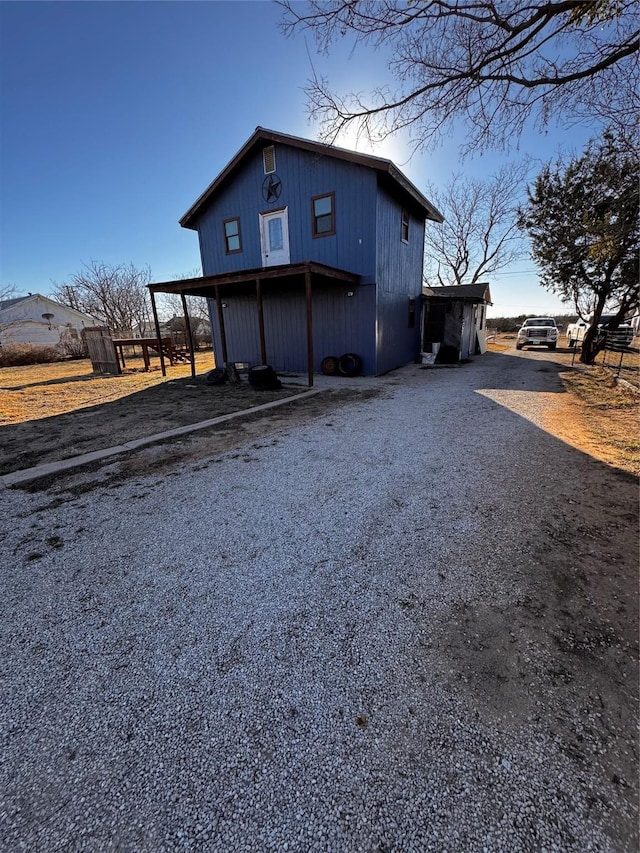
454, 321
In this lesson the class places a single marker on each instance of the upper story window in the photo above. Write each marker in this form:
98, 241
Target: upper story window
404, 228
323, 215
412, 313
269, 159
232, 239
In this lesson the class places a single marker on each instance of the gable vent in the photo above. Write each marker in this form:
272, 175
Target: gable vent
269, 159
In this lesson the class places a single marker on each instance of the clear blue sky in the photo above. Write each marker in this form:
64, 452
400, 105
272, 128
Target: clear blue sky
116, 116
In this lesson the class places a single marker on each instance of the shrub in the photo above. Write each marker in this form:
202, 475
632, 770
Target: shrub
73, 347
15, 355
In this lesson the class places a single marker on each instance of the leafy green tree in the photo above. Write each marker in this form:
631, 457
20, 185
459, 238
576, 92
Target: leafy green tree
582, 219
492, 65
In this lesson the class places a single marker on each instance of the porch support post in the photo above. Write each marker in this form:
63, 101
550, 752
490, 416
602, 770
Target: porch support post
156, 323
223, 337
187, 328
307, 288
263, 348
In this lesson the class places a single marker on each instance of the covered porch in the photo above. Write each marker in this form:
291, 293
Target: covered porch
301, 278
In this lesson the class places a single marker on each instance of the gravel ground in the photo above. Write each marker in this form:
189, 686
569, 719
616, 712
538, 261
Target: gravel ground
399, 627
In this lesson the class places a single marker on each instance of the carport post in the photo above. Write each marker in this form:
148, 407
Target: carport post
223, 337
158, 335
263, 348
307, 288
187, 328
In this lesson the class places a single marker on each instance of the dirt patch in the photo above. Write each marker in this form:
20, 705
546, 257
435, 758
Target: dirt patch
64, 411
599, 417
203, 448
157, 409
599, 414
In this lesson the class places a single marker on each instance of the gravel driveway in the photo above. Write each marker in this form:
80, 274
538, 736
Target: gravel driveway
407, 625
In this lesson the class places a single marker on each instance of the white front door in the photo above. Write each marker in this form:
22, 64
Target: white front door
274, 238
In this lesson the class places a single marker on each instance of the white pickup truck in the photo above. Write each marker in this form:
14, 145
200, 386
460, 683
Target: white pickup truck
575, 331
537, 331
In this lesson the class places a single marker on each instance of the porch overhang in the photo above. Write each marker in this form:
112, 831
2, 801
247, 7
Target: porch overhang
224, 285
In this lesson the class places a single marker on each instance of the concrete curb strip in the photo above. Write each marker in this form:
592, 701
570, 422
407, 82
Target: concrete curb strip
628, 386
48, 468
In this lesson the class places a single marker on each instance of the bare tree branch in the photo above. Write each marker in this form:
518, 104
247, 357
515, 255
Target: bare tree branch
494, 64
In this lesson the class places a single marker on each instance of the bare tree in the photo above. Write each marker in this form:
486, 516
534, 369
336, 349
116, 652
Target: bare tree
492, 64
7, 292
170, 306
115, 295
197, 310
480, 232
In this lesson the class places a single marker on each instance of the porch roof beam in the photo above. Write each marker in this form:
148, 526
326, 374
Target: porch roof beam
204, 285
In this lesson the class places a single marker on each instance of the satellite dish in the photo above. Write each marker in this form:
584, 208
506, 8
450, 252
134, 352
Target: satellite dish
48, 318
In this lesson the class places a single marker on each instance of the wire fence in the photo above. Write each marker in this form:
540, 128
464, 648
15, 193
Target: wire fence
618, 354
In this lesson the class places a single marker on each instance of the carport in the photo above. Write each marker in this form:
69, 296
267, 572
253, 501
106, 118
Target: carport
219, 287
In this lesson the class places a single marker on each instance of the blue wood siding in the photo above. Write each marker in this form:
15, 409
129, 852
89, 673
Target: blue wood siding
303, 176
341, 324
240, 327
399, 279
374, 323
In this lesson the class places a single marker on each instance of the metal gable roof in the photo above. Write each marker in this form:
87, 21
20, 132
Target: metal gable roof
9, 303
261, 134
471, 292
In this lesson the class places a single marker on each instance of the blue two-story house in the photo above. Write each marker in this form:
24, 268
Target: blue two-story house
309, 251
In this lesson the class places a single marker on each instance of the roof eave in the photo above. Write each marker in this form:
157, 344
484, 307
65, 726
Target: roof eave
460, 293
378, 163
431, 212
188, 220
193, 286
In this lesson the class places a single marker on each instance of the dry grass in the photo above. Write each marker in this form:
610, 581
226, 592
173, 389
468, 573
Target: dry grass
52, 412
37, 391
597, 388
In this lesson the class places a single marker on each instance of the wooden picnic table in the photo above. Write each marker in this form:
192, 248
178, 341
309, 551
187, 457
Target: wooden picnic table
145, 344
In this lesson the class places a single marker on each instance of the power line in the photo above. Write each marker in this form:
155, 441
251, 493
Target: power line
544, 311
515, 274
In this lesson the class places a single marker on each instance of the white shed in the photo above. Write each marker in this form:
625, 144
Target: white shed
39, 321
454, 320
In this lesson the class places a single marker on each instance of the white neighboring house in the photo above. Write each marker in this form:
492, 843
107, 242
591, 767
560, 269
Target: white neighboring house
39, 321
